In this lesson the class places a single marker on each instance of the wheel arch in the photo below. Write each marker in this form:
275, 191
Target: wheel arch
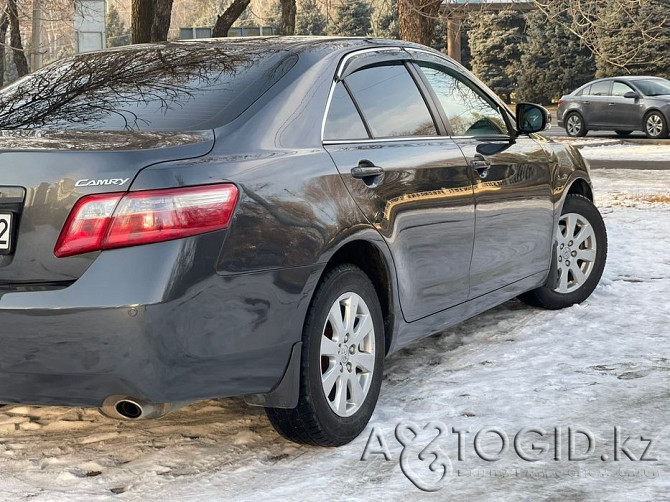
663, 114
580, 187
576, 111
374, 262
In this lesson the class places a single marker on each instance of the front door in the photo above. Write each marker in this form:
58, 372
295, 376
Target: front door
410, 183
624, 114
514, 214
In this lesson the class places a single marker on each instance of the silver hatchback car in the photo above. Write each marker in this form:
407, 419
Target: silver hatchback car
620, 104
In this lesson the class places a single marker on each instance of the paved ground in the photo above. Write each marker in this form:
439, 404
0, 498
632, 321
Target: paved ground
592, 367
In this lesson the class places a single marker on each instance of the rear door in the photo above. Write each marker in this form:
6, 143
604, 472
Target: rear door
514, 210
597, 105
410, 182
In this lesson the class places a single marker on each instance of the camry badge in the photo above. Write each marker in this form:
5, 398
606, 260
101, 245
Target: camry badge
97, 183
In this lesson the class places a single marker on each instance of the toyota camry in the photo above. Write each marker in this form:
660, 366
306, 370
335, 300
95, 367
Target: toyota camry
268, 218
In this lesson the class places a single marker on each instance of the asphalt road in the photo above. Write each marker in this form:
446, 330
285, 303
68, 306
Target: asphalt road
556, 131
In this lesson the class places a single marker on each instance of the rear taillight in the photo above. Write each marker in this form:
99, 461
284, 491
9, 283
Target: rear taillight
115, 220
560, 102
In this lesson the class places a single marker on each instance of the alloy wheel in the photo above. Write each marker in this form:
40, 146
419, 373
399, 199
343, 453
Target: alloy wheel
576, 252
574, 125
347, 354
655, 125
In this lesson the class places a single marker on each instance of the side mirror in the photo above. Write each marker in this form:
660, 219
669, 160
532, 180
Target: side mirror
631, 95
531, 118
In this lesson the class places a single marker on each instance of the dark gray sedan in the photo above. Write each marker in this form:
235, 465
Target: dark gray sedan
620, 104
268, 217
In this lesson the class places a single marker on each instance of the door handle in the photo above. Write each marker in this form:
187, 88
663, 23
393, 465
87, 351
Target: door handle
612, 104
366, 170
481, 165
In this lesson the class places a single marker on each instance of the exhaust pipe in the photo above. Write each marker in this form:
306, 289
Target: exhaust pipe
128, 408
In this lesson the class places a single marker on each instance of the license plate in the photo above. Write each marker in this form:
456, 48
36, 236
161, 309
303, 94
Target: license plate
5, 232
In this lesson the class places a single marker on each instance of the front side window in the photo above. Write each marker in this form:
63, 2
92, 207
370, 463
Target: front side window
469, 111
390, 102
343, 121
620, 89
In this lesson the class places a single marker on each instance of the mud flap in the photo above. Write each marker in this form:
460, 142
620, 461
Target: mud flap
286, 393
552, 280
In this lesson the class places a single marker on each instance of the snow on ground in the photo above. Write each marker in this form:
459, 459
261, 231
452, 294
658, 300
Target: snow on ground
595, 366
627, 151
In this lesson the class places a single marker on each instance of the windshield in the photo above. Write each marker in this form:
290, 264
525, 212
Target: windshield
654, 87
168, 87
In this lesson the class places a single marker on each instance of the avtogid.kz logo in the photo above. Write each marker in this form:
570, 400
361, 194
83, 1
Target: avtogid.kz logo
425, 461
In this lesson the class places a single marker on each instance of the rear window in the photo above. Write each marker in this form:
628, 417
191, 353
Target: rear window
173, 87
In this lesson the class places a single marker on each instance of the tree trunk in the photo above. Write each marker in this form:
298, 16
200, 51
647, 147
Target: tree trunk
162, 18
288, 10
229, 16
142, 19
416, 20
4, 25
15, 40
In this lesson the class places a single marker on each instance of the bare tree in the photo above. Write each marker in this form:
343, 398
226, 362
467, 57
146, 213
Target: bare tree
4, 25
416, 19
18, 53
229, 16
288, 11
142, 19
589, 22
162, 17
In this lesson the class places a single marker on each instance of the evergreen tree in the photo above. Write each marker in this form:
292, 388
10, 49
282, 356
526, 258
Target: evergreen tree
554, 61
310, 19
384, 19
352, 19
495, 43
634, 41
117, 33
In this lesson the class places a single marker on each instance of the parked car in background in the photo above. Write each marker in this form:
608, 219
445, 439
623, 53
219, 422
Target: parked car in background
620, 104
270, 218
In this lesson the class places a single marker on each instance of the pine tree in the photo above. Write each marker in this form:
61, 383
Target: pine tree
117, 33
495, 43
352, 19
310, 19
384, 19
635, 40
554, 61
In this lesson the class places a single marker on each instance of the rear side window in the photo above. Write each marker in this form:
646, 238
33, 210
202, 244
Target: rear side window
343, 121
601, 88
585, 91
390, 102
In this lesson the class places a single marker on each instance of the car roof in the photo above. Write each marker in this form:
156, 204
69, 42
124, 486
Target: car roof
293, 44
631, 78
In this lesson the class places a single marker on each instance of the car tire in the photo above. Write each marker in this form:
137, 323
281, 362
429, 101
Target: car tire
575, 126
580, 257
331, 411
655, 125
623, 134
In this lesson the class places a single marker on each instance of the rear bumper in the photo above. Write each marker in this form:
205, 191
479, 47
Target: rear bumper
153, 323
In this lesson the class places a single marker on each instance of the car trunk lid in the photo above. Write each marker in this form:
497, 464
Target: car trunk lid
43, 174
